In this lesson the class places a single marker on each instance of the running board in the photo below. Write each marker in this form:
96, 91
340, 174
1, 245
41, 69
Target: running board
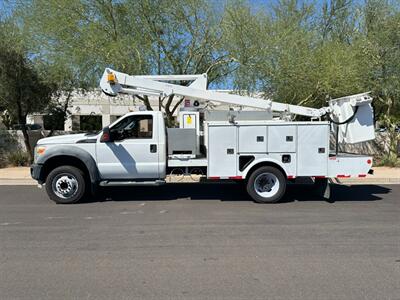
131, 183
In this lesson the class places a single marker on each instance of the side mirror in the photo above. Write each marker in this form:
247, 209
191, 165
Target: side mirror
106, 135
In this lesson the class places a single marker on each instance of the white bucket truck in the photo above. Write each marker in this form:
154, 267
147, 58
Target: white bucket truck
264, 149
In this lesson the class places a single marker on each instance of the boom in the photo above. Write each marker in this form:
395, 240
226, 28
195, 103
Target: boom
155, 85
340, 111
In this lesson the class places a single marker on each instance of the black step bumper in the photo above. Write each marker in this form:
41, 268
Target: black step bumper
36, 171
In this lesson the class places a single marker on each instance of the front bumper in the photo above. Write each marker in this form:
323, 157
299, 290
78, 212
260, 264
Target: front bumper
36, 171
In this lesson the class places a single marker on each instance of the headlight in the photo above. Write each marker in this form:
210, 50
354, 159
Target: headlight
39, 150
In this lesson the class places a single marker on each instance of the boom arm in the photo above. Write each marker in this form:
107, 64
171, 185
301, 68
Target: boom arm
352, 114
153, 85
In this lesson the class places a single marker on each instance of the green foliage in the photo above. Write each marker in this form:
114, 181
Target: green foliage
81, 38
293, 51
22, 90
297, 54
391, 156
388, 160
18, 158
8, 143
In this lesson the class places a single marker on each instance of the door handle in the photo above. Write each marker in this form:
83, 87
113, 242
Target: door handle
153, 148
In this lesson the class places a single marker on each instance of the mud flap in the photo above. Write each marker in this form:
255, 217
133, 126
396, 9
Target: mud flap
322, 188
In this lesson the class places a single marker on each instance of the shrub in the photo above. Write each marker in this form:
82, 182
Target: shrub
388, 160
3, 160
8, 141
18, 158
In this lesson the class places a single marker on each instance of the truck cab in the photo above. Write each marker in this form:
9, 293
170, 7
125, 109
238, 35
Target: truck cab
132, 149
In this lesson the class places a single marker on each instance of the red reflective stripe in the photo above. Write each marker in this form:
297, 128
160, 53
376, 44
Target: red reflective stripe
343, 176
291, 176
214, 177
235, 177
362, 175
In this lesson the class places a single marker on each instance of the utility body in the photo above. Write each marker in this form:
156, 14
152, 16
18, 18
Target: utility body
264, 149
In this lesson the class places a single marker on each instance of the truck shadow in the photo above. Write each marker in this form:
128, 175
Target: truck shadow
234, 192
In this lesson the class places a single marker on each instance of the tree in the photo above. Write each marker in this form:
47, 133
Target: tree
185, 38
381, 51
168, 37
22, 91
339, 20
290, 50
284, 53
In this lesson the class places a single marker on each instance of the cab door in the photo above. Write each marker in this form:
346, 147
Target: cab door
133, 151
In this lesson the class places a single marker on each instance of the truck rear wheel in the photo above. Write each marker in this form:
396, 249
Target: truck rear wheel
266, 185
65, 185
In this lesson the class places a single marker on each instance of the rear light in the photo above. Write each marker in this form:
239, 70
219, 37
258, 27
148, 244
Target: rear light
369, 161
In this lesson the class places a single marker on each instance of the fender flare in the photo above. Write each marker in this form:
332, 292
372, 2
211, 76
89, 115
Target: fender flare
75, 152
264, 161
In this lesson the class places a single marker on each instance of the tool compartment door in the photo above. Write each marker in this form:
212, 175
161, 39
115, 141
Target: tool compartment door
222, 145
252, 139
313, 150
282, 138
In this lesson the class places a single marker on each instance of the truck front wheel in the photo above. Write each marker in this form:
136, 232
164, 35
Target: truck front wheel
65, 185
266, 185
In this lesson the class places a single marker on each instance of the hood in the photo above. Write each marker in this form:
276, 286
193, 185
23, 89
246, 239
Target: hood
67, 139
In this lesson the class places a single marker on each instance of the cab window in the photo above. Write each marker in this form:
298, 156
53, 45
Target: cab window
133, 127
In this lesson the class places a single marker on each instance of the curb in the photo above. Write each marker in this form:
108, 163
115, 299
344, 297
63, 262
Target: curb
13, 181
368, 181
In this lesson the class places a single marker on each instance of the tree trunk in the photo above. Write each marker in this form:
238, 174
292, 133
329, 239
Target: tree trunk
146, 101
27, 143
169, 112
22, 122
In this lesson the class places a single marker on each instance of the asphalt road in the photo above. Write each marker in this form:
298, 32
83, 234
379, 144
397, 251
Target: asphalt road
204, 241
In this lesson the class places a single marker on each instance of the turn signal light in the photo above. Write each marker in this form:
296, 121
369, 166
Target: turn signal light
40, 150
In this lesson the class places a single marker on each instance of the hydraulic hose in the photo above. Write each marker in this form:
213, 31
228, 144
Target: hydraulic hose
345, 121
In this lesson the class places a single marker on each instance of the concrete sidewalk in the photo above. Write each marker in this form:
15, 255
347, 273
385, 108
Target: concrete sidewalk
16, 176
382, 175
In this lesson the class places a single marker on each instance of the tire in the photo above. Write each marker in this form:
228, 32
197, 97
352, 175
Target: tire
65, 185
266, 185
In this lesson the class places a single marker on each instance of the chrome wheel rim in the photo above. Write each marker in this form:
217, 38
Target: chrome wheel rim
266, 185
65, 185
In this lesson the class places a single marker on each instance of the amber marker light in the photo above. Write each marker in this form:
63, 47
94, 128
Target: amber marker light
40, 150
111, 78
